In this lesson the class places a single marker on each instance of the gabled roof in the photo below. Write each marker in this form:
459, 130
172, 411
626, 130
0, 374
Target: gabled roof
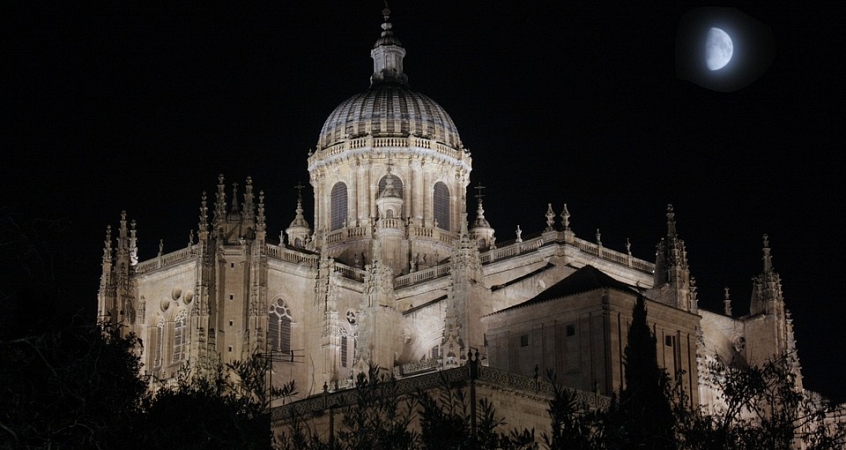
588, 278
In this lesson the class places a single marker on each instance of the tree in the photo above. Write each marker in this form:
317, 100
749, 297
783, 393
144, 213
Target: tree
762, 409
448, 421
642, 416
574, 425
228, 408
75, 387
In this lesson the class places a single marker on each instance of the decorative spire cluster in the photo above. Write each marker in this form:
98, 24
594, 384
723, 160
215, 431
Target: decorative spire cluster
767, 296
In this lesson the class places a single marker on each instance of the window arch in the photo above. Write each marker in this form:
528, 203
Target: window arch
279, 327
441, 205
180, 328
397, 185
345, 348
339, 205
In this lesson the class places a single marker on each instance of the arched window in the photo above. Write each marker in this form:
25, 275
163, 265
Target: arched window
397, 185
441, 205
180, 328
347, 348
279, 327
344, 348
159, 343
339, 205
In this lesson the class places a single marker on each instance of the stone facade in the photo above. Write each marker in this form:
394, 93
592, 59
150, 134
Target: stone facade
392, 273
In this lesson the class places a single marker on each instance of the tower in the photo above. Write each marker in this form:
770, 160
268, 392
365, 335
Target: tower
388, 134
672, 284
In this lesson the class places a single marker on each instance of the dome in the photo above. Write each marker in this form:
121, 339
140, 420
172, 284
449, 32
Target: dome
389, 109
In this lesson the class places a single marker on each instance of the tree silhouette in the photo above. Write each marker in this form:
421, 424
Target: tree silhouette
642, 417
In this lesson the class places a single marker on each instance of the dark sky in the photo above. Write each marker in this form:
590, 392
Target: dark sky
121, 105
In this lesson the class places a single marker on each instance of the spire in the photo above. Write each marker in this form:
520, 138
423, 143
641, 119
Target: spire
261, 224
107, 247
768, 259
249, 198
133, 244
299, 230
204, 214
481, 231
480, 221
550, 218
727, 302
123, 239
672, 274
766, 287
220, 201
387, 55
235, 206
671, 222
565, 218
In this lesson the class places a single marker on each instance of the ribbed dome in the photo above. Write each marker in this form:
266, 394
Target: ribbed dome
389, 110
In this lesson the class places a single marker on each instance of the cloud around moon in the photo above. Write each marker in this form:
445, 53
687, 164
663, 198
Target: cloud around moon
722, 49
718, 49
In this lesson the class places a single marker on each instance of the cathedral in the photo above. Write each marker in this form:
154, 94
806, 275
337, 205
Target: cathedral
391, 271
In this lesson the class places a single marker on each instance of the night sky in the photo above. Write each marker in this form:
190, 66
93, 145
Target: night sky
113, 106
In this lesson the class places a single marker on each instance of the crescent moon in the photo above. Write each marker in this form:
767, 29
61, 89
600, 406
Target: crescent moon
718, 49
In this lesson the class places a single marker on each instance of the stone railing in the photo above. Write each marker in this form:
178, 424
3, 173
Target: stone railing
432, 380
292, 256
518, 248
167, 260
613, 256
391, 223
422, 275
348, 272
396, 142
515, 249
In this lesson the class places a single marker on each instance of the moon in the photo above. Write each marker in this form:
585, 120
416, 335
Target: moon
718, 49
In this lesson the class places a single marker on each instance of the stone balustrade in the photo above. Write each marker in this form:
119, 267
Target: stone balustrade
422, 275
432, 380
391, 142
167, 260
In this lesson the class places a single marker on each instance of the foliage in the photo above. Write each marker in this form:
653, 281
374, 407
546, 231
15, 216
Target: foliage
75, 387
380, 419
642, 416
574, 425
226, 408
762, 408
447, 421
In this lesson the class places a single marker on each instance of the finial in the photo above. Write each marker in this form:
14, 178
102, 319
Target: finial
204, 213
565, 216
235, 206
550, 218
671, 222
727, 302
628, 247
107, 247
598, 238
161, 246
768, 259
386, 12
519, 233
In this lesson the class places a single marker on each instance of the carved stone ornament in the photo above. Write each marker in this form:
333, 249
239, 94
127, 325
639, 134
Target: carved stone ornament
176, 293
189, 296
165, 304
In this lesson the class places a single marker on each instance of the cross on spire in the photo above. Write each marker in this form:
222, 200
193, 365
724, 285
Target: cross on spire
299, 187
479, 193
